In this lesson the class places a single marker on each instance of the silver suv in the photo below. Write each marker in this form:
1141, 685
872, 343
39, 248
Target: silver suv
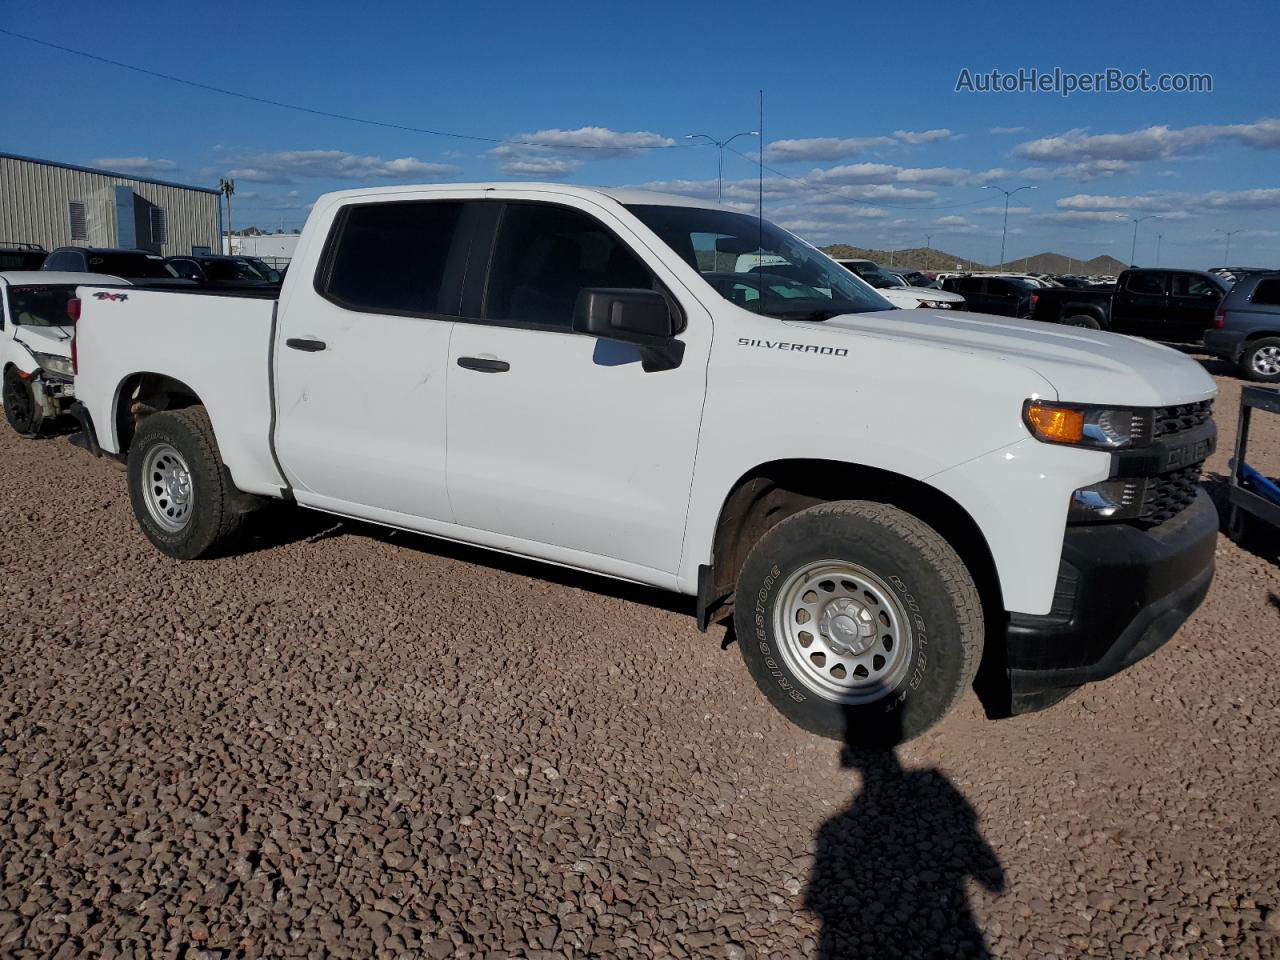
1246, 328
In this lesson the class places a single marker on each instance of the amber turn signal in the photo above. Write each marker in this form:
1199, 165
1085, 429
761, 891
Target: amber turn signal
1055, 424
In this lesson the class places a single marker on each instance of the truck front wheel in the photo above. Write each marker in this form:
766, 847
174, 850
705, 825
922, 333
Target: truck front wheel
180, 493
859, 622
1083, 320
20, 405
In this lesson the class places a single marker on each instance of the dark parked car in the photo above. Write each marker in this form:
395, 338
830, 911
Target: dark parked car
21, 256
229, 272
1004, 296
128, 264
1246, 329
1173, 305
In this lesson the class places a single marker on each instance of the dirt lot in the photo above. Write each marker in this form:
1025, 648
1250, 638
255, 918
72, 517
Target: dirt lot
357, 743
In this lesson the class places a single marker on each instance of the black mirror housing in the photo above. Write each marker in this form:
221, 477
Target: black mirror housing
636, 316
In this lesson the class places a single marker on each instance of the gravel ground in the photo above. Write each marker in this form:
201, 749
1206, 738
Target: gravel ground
354, 743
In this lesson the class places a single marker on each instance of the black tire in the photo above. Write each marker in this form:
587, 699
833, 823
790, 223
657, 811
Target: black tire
1083, 320
1252, 358
20, 406
926, 583
211, 521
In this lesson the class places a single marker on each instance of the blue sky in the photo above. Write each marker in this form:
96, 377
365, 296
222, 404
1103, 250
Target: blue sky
870, 142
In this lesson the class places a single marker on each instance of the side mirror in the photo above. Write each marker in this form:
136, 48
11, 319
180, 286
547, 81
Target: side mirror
639, 317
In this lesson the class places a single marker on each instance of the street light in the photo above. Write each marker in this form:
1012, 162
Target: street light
1159, 238
721, 144
1133, 251
1226, 254
1007, 194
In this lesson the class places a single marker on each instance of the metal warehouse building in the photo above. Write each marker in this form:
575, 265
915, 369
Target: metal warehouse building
59, 205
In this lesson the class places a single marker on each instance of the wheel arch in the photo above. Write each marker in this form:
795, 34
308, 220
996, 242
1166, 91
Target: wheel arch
141, 394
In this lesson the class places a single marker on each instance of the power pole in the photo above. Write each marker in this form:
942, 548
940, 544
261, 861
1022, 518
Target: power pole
1159, 237
227, 187
928, 249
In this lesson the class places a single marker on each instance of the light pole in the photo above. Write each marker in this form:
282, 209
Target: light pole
1226, 254
1159, 238
928, 249
1133, 250
1007, 194
721, 144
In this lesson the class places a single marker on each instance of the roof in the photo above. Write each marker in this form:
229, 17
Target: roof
106, 173
625, 195
22, 278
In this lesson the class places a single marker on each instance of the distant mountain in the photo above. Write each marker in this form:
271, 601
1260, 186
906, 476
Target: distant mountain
926, 258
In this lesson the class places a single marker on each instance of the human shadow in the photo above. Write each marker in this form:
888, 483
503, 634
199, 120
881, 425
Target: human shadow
890, 870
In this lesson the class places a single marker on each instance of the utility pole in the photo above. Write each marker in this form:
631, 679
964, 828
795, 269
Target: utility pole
721, 144
1226, 254
928, 249
227, 187
1159, 238
1007, 194
1133, 250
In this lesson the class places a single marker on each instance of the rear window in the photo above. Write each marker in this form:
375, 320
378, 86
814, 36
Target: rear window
1147, 284
21, 259
133, 265
395, 258
1267, 293
41, 306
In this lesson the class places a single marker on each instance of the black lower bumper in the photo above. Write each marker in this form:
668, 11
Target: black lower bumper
1122, 592
1227, 344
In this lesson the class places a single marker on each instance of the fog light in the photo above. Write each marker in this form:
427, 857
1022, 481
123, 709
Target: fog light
1108, 500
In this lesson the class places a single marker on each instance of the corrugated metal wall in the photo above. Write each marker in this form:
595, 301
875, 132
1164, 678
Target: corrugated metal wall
35, 202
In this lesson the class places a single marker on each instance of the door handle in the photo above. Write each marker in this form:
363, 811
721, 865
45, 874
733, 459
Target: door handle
484, 364
307, 346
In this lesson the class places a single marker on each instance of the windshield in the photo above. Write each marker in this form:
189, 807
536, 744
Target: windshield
42, 306
136, 265
21, 259
758, 266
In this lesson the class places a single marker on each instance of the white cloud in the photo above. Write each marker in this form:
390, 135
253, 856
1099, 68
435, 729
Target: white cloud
135, 164
954, 224
998, 131
923, 136
823, 149
855, 173
1159, 142
287, 166
556, 153
1000, 211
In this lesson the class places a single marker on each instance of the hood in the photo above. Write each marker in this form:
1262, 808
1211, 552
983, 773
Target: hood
932, 293
1084, 366
54, 340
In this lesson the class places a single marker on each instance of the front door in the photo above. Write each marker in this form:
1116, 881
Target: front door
361, 358
561, 439
1140, 304
1193, 300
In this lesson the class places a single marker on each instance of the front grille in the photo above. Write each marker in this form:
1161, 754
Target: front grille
1182, 416
1168, 494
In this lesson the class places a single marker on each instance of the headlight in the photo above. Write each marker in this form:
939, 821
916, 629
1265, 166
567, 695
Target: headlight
936, 304
53, 364
1084, 425
1108, 500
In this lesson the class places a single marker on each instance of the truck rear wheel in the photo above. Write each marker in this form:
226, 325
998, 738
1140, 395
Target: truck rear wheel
1261, 360
858, 622
1083, 320
180, 493
20, 406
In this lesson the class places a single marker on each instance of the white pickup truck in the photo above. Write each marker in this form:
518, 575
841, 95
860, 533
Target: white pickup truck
884, 500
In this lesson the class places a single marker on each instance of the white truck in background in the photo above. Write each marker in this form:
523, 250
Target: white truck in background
884, 501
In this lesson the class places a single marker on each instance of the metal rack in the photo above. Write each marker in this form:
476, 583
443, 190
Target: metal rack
1240, 497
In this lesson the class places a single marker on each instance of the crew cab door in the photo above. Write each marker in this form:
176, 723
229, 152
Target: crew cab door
1140, 304
559, 440
1193, 300
361, 353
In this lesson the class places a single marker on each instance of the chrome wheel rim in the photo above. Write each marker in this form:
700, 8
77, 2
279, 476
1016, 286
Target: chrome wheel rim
1266, 361
842, 632
166, 487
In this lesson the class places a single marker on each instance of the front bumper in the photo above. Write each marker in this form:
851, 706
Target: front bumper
1227, 344
1122, 592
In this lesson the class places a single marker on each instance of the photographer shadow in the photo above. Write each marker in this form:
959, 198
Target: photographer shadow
891, 870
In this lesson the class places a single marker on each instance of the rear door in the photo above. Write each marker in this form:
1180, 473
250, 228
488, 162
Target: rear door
559, 439
360, 360
1193, 300
1141, 303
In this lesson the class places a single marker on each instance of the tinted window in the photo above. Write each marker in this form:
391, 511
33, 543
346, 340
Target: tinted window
41, 306
395, 258
1147, 284
1190, 285
546, 255
21, 259
67, 260
1267, 293
126, 264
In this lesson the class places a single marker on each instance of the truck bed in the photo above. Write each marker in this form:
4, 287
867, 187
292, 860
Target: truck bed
216, 343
